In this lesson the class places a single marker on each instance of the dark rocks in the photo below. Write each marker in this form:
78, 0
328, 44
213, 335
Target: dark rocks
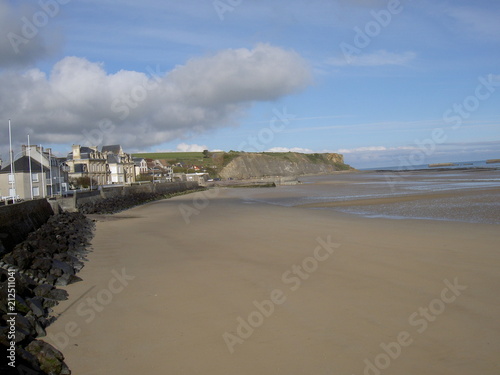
51, 256
50, 359
36, 306
42, 264
117, 204
58, 294
43, 290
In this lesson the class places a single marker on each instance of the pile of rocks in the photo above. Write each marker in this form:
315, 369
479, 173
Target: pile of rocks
49, 257
117, 204
55, 251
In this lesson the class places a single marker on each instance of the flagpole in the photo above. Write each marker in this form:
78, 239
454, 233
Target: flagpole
42, 175
50, 173
13, 182
29, 161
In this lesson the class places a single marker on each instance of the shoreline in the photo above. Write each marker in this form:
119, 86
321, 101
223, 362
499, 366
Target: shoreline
184, 285
399, 198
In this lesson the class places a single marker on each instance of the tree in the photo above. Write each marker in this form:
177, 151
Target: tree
144, 177
206, 154
83, 182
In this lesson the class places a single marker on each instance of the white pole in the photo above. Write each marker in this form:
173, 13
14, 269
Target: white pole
42, 175
59, 177
12, 172
29, 161
50, 173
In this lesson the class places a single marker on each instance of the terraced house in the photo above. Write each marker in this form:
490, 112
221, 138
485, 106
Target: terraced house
87, 162
121, 165
111, 165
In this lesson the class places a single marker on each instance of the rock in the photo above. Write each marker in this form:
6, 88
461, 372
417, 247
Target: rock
36, 305
21, 305
22, 258
58, 294
29, 359
50, 279
40, 331
57, 272
67, 279
25, 325
43, 290
63, 266
54, 253
4, 330
50, 359
42, 264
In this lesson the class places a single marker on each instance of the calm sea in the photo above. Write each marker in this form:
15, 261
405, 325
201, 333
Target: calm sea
456, 165
468, 195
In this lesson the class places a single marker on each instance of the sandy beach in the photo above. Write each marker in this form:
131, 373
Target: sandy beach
208, 284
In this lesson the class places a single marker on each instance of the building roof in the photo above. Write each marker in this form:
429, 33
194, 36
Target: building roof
114, 149
113, 159
23, 165
84, 153
138, 161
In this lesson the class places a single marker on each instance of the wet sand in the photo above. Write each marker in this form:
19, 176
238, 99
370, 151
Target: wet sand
400, 199
426, 291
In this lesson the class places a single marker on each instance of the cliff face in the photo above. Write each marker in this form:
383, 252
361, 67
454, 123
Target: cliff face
252, 165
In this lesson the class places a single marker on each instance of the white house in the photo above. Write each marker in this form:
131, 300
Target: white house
141, 166
30, 180
121, 165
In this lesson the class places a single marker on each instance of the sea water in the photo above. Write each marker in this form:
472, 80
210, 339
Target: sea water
469, 195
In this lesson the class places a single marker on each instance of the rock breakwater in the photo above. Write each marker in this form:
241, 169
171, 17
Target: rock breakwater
29, 276
120, 203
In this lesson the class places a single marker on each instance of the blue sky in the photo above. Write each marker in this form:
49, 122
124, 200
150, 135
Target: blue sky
383, 82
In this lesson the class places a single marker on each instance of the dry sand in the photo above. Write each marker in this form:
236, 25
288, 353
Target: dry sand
386, 281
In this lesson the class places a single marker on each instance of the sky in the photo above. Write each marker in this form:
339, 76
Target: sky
384, 82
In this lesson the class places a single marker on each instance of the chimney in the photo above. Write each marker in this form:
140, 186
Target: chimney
76, 152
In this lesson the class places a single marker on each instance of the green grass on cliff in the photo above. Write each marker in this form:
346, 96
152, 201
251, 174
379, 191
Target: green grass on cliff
220, 159
171, 155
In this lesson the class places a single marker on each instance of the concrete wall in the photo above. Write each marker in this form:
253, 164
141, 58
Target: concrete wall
18, 220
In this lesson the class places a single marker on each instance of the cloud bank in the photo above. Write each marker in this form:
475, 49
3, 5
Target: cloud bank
79, 102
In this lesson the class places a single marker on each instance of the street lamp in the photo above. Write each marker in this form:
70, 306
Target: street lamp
153, 169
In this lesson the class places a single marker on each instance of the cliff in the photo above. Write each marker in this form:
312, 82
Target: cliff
253, 165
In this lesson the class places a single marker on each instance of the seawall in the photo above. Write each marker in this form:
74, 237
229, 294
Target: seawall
20, 219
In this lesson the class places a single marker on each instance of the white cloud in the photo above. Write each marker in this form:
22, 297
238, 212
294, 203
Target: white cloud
184, 147
81, 102
378, 58
290, 149
361, 149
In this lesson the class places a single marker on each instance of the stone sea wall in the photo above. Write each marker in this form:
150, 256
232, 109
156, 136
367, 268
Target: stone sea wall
18, 220
49, 258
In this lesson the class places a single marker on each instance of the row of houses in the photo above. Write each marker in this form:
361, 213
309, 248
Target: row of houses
36, 173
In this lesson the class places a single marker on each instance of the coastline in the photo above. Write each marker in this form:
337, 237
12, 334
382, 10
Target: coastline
185, 283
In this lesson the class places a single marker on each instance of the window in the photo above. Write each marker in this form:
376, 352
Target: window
34, 177
36, 191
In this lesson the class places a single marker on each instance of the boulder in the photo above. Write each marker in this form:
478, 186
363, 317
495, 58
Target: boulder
50, 360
